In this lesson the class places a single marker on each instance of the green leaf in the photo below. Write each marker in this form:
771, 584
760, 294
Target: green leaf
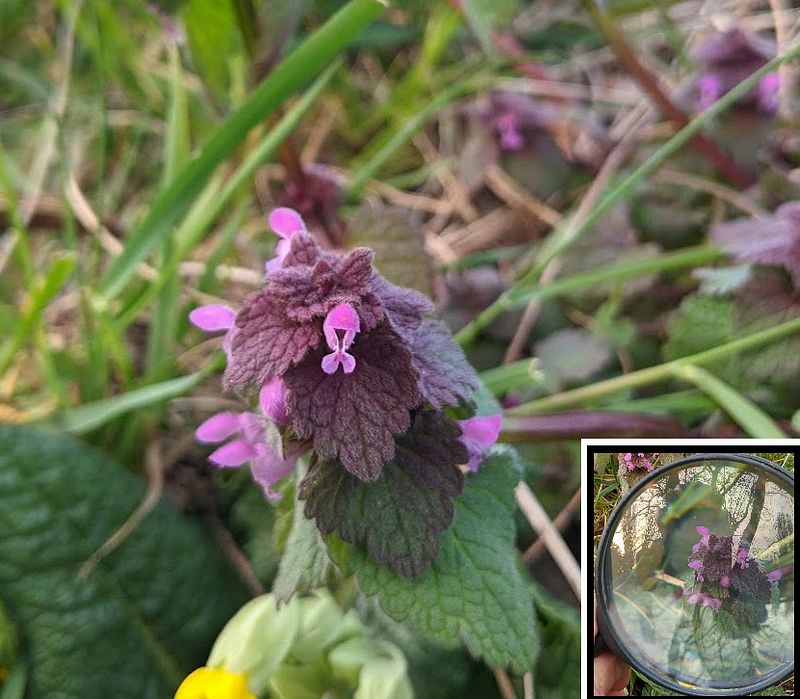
485, 17
399, 517
558, 670
305, 562
702, 322
473, 593
144, 617
398, 243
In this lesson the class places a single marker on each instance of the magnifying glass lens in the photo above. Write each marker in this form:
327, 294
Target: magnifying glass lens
696, 572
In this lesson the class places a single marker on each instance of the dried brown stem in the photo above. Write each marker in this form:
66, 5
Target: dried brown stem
619, 44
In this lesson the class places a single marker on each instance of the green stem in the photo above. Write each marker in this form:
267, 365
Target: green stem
752, 419
654, 374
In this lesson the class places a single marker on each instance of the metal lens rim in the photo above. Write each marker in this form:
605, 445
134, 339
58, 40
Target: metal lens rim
603, 579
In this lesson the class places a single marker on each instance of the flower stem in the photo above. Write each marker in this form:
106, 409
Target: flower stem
654, 374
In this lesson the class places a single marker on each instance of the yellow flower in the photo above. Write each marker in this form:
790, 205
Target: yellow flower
214, 683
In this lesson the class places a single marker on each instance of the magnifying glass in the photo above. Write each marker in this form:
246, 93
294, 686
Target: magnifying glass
695, 576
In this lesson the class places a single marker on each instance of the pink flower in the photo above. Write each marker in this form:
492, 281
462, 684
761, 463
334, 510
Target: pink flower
266, 467
272, 400
726, 581
341, 317
213, 318
286, 223
703, 531
696, 565
767, 93
774, 575
710, 89
478, 434
508, 125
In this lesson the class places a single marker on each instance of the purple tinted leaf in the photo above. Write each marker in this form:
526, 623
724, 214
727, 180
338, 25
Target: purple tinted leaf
355, 416
445, 375
717, 557
399, 517
750, 581
303, 250
266, 343
773, 240
307, 291
404, 307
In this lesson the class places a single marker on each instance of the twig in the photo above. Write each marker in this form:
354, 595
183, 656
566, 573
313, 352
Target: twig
740, 201
234, 553
542, 525
527, 686
504, 684
780, 12
561, 521
154, 466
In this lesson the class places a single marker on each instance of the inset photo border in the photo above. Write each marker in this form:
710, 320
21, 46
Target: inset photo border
600, 460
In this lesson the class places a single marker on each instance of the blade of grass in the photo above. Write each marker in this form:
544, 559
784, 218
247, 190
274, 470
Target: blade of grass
563, 235
161, 331
520, 295
654, 374
40, 295
752, 419
90, 416
213, 202
311, 57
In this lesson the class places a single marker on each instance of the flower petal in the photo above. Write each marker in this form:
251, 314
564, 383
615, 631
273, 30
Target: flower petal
272, 399
774, 575
267, 467
483, 430
702, 530
286, 222
213, 317
330, 363
234, 453
217, 427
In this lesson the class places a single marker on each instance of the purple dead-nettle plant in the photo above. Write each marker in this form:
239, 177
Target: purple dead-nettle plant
640, 460
730, 579
729, 57
352, 369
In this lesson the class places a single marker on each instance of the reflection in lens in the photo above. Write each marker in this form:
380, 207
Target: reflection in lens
702, 570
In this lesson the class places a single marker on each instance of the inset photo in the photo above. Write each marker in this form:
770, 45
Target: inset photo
693, 573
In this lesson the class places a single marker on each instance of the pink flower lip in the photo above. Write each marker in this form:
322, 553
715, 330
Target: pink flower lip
286, 222
696, 565
702, 530
774, 575
478, 434
628, 457
213, 317
341, 317
217, 428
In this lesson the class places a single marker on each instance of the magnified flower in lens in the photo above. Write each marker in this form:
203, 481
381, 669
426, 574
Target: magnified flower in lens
731, 579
